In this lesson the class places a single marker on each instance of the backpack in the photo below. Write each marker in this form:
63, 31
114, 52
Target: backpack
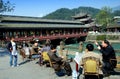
60, 73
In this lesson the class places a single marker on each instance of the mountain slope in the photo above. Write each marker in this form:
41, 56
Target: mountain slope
116, 8
65, 13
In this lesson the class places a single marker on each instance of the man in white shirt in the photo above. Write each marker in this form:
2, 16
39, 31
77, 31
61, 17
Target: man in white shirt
12, 47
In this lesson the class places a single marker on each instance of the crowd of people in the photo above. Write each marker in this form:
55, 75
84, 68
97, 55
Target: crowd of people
107, 58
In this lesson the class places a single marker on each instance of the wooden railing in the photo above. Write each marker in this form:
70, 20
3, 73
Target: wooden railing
51, 37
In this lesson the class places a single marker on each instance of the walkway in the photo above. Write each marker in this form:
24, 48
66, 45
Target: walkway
30, 70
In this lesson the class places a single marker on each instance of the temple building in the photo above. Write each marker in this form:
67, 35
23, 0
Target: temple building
27, 28
83, 18
115, 25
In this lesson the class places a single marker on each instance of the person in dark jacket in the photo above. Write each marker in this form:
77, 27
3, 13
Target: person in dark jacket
59, 62
12, 47
109, 57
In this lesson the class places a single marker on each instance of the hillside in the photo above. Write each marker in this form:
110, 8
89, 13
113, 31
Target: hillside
116, 8
65, 13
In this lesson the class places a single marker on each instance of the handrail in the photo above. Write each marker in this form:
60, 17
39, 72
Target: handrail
51, 37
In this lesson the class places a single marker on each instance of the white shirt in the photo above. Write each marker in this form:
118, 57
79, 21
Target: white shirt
14, 51
78, 57
27, 52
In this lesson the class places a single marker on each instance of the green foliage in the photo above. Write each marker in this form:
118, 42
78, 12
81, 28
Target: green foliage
113, 37
101, 37
109, 37
62, 13
104, 17
65, 14
6, 6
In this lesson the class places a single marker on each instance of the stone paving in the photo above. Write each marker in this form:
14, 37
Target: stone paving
31, 70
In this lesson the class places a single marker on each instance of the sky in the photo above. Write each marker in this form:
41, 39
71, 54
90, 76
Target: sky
39, 8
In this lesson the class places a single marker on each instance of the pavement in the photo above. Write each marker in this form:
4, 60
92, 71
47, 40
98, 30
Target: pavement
31, 70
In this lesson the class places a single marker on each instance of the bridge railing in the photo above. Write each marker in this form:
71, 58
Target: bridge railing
51, 37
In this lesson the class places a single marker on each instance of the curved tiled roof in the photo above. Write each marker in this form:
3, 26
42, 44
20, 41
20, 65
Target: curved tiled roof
34, 19
8, 21
42, 26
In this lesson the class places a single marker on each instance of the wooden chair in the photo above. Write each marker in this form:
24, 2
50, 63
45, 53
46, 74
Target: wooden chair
117, 68
91, 66
47, 58
22, 53
118, 63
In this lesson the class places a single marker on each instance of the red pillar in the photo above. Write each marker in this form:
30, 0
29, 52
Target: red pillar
76, 67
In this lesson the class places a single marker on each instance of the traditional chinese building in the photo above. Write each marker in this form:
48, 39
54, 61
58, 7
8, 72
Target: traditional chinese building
28, 28
114, 26
86, 19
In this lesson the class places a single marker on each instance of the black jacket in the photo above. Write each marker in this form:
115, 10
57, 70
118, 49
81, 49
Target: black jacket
108, 53
9, 46
55, 58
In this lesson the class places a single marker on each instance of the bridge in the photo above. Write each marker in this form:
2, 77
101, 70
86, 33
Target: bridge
28, 28
51, 37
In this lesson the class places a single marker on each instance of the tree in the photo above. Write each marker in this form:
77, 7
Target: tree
104, 17
6, 6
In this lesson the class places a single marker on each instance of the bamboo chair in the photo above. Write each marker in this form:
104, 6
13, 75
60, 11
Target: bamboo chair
91, 66
47, 58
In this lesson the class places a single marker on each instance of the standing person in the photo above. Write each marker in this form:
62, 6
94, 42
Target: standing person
80, 47
62, 52
78, 54
108, 54
12, 47
62, 47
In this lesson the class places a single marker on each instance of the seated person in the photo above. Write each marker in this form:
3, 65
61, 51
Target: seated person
44, 57
59, 63
24, 44
89, 53
46, 48
26, 49
35, 50
108, 55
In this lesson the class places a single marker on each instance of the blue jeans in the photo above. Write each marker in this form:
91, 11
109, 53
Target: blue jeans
13, 58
